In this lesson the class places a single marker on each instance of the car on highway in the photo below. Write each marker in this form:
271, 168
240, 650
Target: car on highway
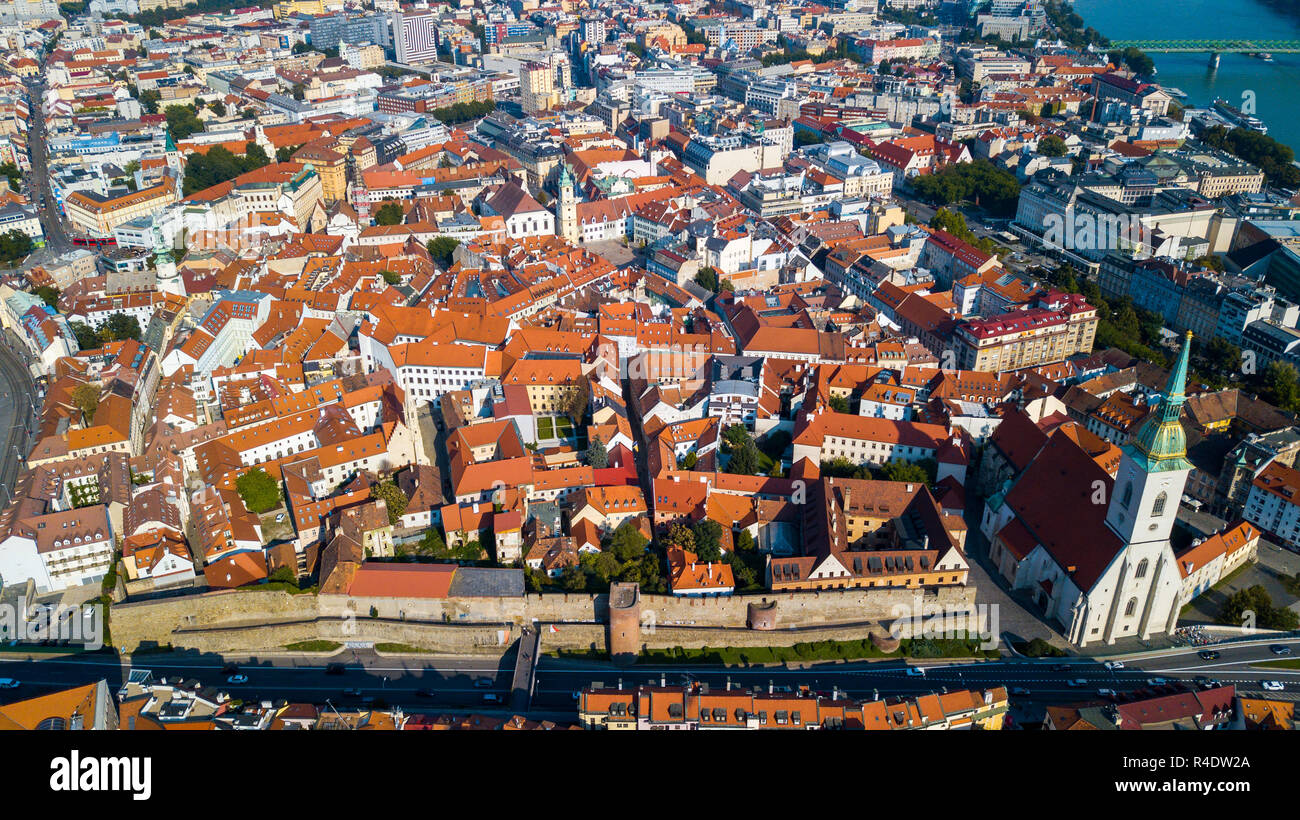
1061, 667
1280, 649
483, 683
237, 679
1020, 691
1156, 681
1107, 693
424, 693
8, 683
915, 672
1112, 665
352, 693
1208, 655
491, 697
1272, 685
1077, 682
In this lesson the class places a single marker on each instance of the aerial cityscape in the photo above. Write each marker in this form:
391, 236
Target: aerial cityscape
588, 365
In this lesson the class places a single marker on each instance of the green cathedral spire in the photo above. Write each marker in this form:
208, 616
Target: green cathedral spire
1160, 444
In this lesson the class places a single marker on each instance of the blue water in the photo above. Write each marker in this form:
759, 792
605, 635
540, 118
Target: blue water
1275, 85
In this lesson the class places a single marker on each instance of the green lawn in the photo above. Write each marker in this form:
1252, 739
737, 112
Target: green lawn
313, 646
401, 647
545, 428
803, 652
1289, 663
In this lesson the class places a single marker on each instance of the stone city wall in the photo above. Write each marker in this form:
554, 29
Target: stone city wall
248, 620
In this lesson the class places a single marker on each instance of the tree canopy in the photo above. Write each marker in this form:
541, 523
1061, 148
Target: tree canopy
219, 165
182, 121
464, 112
597, 455
441, 249
259, 491
119, 328
980, 182
14, 245
389, 213
393, 497
1273, 158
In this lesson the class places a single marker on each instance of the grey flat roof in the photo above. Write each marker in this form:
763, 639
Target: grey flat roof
486, 582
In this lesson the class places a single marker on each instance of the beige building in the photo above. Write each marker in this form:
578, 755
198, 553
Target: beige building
98, 216
362, 57
537, 87
332, 166
1024, 338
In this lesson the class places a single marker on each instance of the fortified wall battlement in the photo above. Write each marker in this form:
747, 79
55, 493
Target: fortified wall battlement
245, 620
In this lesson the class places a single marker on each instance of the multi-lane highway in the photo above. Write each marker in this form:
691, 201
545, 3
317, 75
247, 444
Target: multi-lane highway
432, 682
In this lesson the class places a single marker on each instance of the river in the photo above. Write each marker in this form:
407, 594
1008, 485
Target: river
1275, 85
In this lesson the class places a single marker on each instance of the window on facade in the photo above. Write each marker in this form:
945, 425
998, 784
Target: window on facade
1142, 568
1131, 607
1158, 509
1128, 495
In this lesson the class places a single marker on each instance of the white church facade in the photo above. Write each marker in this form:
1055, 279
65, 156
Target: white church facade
1092, 550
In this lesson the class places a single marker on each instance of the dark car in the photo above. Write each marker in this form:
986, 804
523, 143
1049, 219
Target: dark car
1280, 649
1208, 655
1061, 667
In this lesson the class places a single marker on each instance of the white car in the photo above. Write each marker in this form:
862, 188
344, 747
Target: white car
8, 683
1272, 685
915, 672
1107, 693
1114, 664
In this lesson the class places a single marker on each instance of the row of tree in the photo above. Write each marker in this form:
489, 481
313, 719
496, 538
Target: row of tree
219, 164
118, 328
624, 557
14, 245
464, 112
979, 182
1272, 157
924, 471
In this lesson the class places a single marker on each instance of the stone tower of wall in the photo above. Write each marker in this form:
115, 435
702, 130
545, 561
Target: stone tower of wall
624, 623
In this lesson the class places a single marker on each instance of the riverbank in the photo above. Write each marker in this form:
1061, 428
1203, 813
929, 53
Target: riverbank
1270, 86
